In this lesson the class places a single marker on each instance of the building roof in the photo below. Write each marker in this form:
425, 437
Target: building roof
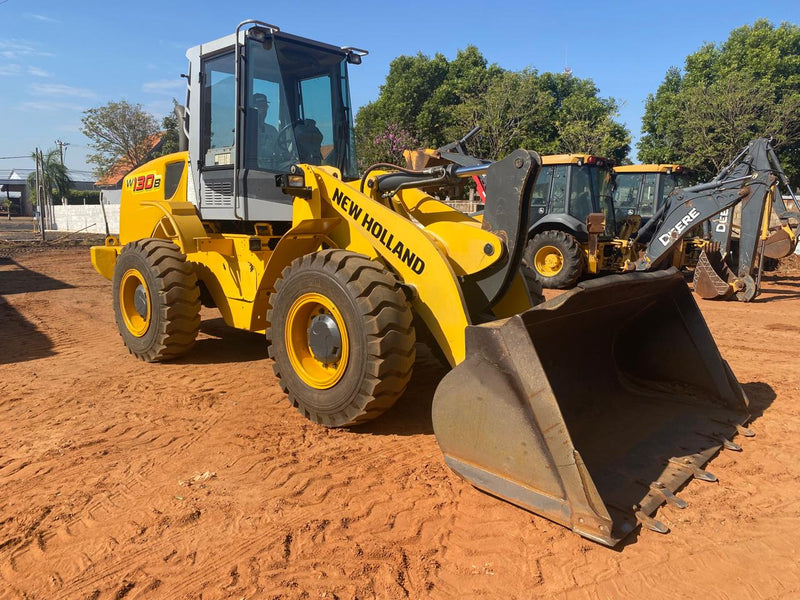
115, 174
19, 174
16, 180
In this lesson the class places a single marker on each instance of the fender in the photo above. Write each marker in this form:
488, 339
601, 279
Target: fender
564, 222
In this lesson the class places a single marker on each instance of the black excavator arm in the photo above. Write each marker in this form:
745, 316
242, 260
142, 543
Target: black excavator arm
748, 180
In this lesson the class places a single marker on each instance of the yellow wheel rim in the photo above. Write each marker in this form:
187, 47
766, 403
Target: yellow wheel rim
314, 372
548, 261
134, 302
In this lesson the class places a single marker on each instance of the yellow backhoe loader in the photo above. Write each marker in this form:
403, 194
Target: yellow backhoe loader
265, 218
752, 181
572, 226
641, 191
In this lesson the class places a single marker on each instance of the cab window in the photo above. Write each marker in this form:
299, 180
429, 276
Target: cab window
649, 191
218, 111
558, 193
580, 194
626, 196
541, 192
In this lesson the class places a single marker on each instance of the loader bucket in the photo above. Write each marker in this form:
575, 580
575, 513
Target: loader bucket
593, 408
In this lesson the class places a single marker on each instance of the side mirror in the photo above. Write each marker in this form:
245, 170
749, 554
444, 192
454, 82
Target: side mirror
354, 55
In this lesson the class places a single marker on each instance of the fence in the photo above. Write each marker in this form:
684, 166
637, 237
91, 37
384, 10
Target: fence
87, 218
465, 206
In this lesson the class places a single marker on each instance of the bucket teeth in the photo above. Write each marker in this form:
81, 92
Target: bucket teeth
670, 498
686, 464
650, 523
742, 430
730, 445
726, 443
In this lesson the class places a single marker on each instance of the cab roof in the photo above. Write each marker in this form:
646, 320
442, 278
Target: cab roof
653, 168
228, 41
572, 159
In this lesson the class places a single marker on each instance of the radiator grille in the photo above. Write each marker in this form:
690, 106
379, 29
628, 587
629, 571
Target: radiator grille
218, 194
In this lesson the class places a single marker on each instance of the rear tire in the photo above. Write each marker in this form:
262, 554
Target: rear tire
156, 300
361, 362
556, 258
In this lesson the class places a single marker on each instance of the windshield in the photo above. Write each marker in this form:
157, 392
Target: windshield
626, 194
297, 107
675, 180
589, 188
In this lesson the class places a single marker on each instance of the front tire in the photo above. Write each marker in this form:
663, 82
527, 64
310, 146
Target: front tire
341, 336
557, 259
156, 300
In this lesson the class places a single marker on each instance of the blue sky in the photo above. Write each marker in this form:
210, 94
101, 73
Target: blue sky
59, 58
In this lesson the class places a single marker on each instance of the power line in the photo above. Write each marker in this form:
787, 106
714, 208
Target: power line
12, 157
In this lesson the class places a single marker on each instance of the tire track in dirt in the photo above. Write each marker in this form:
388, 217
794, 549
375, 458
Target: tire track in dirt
106, 487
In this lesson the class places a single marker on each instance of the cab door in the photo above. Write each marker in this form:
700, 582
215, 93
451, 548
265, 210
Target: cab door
541, 194
217, 113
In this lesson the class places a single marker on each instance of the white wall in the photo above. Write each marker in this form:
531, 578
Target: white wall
88, 218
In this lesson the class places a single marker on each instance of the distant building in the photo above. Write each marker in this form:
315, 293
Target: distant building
14, 187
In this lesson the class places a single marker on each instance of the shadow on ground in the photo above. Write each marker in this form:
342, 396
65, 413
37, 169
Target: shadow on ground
220, 343
16, 279
20, 340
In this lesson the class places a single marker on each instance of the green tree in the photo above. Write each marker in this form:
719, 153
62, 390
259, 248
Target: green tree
728, 94
662, 141
404, 104
54, 176
584, 122
512, 111
119, 130
170, 135
437, 101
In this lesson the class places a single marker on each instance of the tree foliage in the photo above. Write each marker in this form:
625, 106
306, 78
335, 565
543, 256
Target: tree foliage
170, 136
119, 130
727, 95
436, 101
54, 176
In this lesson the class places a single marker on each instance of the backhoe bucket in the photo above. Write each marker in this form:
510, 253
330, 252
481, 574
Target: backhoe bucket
712, 277
593, 408
779, 244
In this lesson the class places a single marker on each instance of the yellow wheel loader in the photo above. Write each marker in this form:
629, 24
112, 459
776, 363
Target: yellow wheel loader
265, 218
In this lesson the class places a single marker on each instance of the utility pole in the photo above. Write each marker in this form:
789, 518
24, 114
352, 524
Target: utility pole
62, 149
39, 197
61, 145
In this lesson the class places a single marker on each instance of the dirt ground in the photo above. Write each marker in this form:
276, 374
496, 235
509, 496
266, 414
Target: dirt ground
196, 479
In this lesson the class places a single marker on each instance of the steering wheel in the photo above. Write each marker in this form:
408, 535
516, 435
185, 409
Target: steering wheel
283, 143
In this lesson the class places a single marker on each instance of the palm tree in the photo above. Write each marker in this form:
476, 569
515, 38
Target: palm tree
55, 176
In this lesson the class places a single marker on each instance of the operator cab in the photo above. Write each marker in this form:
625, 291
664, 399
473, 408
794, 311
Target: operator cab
643, 189
293, 101
576, 185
